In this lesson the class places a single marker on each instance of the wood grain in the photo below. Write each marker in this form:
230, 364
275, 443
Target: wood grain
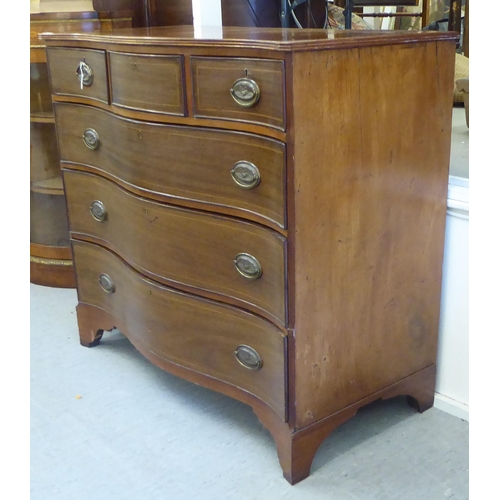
40, 96
178, 161
214, 77
50, 252
48, 219
63, 64
49, 272
44, 155
370, 205
198, 334
355, 187
181, 246
148, 82
249, 40
296, 449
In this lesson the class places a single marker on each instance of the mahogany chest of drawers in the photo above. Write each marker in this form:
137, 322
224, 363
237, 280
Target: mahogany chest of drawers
262, 211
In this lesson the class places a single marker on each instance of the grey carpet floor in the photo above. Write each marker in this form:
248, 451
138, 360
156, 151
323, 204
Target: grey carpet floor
106, 424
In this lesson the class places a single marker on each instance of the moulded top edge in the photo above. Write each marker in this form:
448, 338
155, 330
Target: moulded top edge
290, 39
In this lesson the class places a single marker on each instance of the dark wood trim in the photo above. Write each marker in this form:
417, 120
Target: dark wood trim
455, 16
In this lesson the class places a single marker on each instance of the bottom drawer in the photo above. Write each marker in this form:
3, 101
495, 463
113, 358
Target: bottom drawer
208, 337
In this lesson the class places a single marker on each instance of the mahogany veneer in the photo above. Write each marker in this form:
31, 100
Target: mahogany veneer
263, 212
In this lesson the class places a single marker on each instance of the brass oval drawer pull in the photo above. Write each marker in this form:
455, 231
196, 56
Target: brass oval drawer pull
85, 74
98, 211
248, 357
245, 174
91, 139
248, 266
245, 92
106, 283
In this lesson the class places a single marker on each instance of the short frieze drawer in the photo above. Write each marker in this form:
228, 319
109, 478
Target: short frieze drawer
79, 73
239, 89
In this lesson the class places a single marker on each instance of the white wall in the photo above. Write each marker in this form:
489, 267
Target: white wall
60, 6
452, 384
207, 13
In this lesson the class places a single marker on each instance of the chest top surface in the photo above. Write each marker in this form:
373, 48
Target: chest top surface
259, 38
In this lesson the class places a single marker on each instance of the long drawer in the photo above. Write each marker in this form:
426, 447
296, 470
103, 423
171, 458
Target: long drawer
217, 340
212, 253
220, 168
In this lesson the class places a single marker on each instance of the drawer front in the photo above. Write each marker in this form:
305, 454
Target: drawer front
179, 245
198, 334
78, 72
227, 88
147, 82
182, 162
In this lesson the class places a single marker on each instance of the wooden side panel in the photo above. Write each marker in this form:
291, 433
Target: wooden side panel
368, 226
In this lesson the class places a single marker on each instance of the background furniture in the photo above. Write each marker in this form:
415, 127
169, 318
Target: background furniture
466, 30
249, 230
50, 254
260, 13
357, 7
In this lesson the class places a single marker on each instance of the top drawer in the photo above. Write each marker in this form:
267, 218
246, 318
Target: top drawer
148, 82
249, 90
79, 72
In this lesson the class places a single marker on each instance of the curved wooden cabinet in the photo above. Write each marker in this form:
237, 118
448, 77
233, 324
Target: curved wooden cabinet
50, 254
51, 262
263, 214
